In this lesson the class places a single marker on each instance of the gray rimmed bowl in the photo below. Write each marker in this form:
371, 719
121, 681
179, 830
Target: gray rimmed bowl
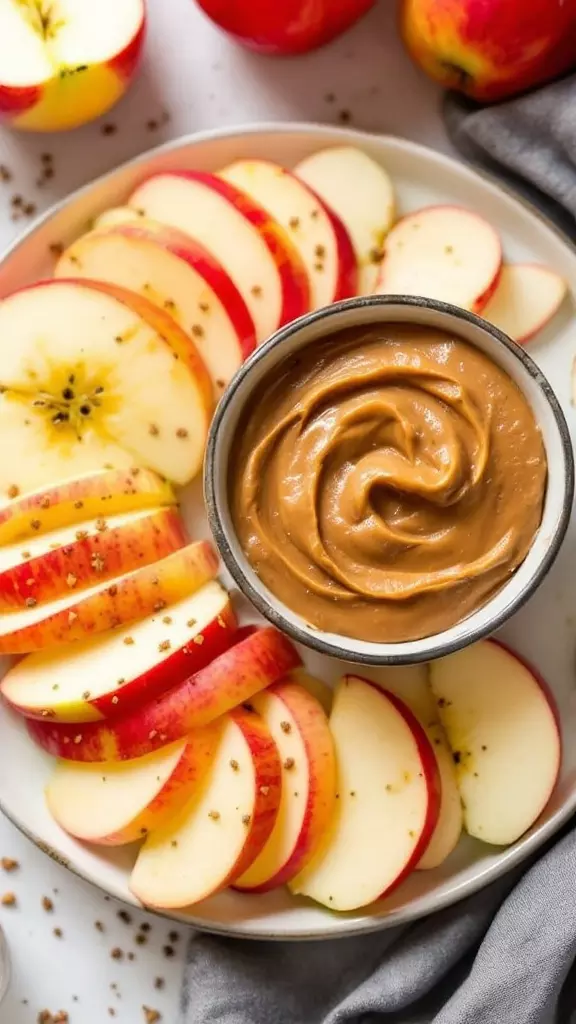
374, 310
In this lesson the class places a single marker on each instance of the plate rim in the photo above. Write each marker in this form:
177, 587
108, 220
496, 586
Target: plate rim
509, 858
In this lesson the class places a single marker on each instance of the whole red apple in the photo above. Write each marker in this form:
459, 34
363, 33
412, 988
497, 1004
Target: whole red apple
284, 27
491, 49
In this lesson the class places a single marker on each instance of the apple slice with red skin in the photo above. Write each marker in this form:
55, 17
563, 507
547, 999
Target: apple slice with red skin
388, 800
525, 300
100, 550
316, 232
90, 496
251, 246
222, 827
504, 730
442, 252
300, 729
258, 658
180, 276
107, 605
107, 676
120, 802
366, 208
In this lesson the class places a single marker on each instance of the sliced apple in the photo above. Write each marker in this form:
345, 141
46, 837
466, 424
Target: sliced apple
100, 550
97, 376
503, 727
360, 191
251, 246
65, 63
388, 800
107, 605
258, 658
222, 828
119, 802
526, 298
442, 252
85, 497
316, 232
116, 215
316, 687
180, 276
299, 727
113, 673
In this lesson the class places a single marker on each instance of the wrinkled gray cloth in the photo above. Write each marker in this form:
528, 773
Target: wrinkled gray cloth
506, 955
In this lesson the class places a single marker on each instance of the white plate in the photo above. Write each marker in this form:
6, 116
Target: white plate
543, 631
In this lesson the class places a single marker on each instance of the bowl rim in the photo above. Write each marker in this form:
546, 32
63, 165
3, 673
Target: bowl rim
310, 637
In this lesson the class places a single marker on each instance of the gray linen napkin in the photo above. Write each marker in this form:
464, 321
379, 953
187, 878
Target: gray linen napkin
506, 955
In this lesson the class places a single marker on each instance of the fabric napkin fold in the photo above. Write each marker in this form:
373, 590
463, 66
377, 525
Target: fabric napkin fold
505, 955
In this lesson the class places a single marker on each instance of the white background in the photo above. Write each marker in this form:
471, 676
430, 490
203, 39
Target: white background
203, 81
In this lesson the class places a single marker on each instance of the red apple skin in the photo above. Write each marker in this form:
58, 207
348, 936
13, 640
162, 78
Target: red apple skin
295, 286
286, 28
490, 49
259, 658
126, 63
121, 549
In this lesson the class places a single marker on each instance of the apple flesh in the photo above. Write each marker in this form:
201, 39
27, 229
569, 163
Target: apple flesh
299, 727
65, 63
84, 497
108, 605
526, 298
120, 802
37, 570
251, 246
221, 828
442, 252
503, 728
97, 376
294, 26
361, 193
490, 51
388, 800
316, 232
113, 673
258, 658
180, 276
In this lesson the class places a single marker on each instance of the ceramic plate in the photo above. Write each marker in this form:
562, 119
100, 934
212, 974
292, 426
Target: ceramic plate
543, 631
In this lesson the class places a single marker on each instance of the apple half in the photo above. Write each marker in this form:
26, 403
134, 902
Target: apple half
180, 276
120, 802
504, 731
223, 825
258, 658
361, 193
113, 673
316, 232
96, 376
251, 246
299, 727
388, 800
525, 300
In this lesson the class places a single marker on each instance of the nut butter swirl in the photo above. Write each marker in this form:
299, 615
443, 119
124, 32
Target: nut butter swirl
387, 482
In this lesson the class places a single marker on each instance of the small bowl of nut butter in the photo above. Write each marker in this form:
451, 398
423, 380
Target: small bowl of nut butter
388, 479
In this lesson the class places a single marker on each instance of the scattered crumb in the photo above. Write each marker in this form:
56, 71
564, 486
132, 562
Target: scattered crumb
159, 983
99, 926
151, 1016
57, 932
9, 864
168, 951
124, 916
173, 936
47, 904
8, 899
344, 116
109, 128
117, 953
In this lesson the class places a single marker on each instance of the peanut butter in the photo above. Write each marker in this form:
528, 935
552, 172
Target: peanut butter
387, 482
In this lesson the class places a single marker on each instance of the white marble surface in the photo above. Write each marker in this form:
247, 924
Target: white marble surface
203, 81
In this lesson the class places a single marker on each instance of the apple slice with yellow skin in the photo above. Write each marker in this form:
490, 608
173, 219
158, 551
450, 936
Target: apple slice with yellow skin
98, 550
97, 376
526, 299
180, 276
300, 729
223, 825
65, 62
106, 676
120, 802
388, 800
315, 230
76, 500
258, 658
251, 246
107, 605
